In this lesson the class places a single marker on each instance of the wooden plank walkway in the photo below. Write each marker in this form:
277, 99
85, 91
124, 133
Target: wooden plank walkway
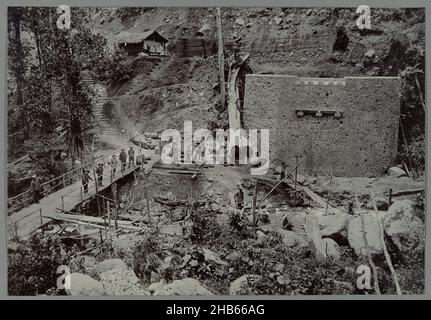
24, 222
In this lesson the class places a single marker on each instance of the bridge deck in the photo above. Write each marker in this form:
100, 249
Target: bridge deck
22, 223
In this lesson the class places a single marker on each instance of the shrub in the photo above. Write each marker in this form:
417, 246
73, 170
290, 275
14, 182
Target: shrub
145, 257
32, 268
415, 154
204, 226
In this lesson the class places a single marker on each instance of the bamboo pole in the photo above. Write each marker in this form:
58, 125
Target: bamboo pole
385, 250
114, 195
329, 192
296, 180
253, 210
279, 182
370, 260
108, 208
148, 203
220, 58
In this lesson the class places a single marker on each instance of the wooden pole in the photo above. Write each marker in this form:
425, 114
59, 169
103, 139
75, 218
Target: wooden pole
148, 203
279, 182
96, 182
114, 195
41, 220
329, 192
220, 58
390, 198
385, 250
108, 207
254, 203
370, 260
406, 145
98, 206
296, 179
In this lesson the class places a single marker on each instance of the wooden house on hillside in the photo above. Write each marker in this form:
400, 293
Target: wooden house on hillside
149, 43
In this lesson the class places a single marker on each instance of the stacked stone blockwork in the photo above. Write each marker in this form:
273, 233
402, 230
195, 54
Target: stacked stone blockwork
349, 125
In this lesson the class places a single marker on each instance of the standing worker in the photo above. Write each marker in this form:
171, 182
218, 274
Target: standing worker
99, 172
283, 171
85, 180
131, 153
36, 189
239, 198
123, 159
113, 163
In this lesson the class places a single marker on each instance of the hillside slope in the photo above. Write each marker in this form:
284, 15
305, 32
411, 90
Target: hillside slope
305, 42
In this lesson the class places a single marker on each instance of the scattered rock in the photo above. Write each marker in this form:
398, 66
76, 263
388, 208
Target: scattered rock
402, 225
334, 226
396, 172
154, 277
215, 207
381, 203
212, 257
244, 285
234, 255
121, 283
89, 263
294, 220
278, 20
84, 285
355, 236
370, 54
110, 264
155, 287
205, 28
279, 267
222, 218
290, 238
261, 237
183, 287
332, 249
240, 21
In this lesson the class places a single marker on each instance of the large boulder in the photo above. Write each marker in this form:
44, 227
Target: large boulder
331, 248
381, 204
210, 256
293, 220
244, 285
396, 172
110, 264
121, 283
89, 264
183, 287
84, 285
403, 225
290, 238
372, 231
314, 238
334, 226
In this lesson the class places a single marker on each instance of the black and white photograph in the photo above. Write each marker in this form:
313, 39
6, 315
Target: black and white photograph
215, 151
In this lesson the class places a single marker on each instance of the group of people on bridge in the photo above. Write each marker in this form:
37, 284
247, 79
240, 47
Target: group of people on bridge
113, 163
126, 159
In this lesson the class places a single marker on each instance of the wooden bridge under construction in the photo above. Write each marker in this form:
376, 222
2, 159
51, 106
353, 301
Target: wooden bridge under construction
62, 194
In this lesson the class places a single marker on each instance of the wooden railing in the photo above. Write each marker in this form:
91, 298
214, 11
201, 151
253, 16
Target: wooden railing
13, 225
24, 199
107, 179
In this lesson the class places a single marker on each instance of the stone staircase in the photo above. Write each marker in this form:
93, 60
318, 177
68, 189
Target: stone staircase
101, 98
